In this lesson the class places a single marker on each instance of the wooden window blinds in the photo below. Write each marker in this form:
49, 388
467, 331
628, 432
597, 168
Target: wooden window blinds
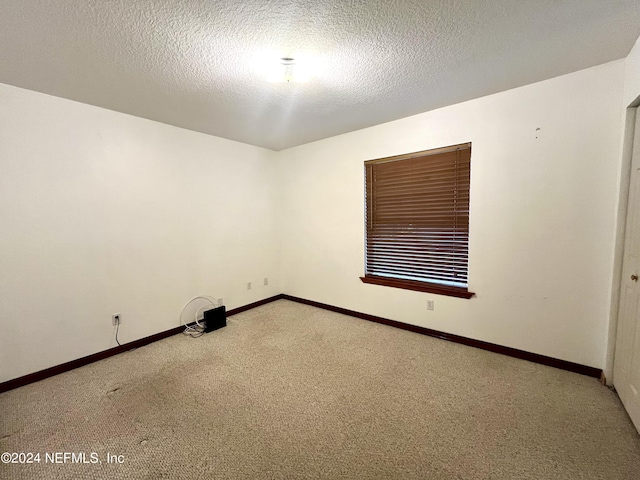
417, 221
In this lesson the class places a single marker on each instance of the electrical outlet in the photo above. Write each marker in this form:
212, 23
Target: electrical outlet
430, 304
220, 301
266, 281
115, 319
248, 285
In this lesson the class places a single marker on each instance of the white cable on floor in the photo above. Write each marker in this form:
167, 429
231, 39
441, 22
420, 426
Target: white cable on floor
198, 329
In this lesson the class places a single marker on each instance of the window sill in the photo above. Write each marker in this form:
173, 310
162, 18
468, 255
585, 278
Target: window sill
419, 286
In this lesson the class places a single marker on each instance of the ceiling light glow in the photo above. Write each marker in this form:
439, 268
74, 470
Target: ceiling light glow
288, 69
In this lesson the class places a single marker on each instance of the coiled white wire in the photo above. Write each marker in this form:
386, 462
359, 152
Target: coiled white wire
197, 329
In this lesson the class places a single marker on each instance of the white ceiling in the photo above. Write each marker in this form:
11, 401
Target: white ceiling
189, 62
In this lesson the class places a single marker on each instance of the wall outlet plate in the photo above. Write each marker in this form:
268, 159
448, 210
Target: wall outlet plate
116, 318
430, 304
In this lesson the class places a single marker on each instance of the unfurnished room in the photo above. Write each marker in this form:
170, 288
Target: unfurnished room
327, 239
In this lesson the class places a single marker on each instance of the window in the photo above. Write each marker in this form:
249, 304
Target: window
417, 221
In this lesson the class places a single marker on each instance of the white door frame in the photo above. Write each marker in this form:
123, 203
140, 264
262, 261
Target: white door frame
621, 221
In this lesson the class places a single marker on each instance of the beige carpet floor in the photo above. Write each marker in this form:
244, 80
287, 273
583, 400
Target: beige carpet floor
291, 391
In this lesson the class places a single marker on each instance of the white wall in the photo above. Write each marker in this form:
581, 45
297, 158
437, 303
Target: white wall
543, 209
632, 75
102, 212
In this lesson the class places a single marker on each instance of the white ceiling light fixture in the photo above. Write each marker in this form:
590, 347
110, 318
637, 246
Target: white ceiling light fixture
289, 70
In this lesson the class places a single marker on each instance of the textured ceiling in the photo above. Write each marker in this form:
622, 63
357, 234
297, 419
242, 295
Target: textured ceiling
190, 62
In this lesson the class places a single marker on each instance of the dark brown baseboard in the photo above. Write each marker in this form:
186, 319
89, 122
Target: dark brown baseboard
80, 362
492, 347
259, 303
